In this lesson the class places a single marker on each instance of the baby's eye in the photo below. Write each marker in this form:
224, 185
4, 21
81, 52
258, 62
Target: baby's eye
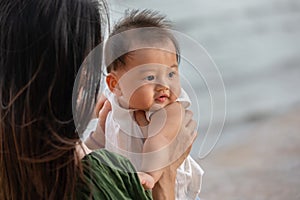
172, 74
150, 78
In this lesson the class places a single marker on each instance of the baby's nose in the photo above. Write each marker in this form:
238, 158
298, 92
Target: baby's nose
162, 83
161, 87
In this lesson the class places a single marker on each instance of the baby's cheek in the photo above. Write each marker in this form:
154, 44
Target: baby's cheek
141, 99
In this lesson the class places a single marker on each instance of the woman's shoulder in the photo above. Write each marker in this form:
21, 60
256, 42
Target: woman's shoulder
103, 158
110, 176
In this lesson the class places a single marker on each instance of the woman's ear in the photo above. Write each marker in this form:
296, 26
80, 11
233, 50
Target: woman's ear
112, 83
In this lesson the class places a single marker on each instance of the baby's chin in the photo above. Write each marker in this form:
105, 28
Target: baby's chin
158, 106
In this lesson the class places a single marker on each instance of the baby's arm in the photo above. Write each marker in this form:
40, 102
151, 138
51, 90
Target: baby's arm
162, 129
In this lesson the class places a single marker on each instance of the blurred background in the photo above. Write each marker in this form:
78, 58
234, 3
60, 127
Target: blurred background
256, 48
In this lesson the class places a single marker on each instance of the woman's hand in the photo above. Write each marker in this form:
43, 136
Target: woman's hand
96, 140
171, 145
184, 140
102, 108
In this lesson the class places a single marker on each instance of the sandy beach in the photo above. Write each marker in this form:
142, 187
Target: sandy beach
265, 165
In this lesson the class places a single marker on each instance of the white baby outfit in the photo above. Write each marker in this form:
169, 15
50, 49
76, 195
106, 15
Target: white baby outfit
125, 137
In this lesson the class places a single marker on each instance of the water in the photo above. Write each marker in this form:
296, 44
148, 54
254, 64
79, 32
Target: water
256, 46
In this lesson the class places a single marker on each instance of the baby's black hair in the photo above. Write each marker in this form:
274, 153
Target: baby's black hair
147, 27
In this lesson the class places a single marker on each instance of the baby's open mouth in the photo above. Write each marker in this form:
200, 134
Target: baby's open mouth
162, 98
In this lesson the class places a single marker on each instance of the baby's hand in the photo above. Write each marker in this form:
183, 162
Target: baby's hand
146, 180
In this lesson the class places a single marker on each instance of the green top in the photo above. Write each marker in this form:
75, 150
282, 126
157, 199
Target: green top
110, 176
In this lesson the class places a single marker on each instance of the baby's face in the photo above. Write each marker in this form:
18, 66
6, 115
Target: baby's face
150, 79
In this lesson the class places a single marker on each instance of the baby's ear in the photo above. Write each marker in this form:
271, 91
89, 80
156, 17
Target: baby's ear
112, 83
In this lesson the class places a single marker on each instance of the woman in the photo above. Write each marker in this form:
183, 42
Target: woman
42, 45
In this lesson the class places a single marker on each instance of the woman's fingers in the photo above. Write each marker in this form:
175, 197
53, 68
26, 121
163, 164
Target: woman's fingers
187, 117
102, 115
140, 118
189, 125
100, 104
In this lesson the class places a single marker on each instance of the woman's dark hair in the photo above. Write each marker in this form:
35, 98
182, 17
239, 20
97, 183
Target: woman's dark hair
42, 45
143, 26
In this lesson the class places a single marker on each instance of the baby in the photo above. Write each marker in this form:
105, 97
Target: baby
146, 97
